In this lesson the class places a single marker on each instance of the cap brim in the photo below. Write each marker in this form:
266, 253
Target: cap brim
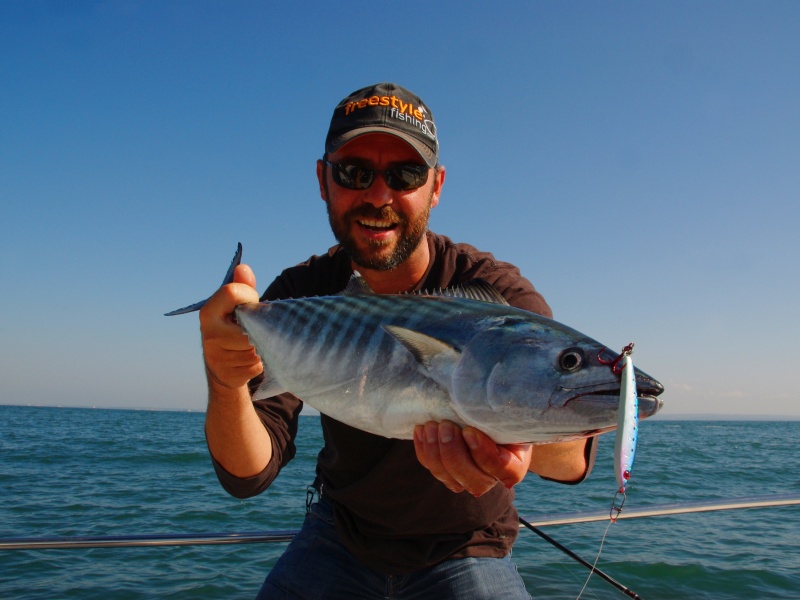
425, 152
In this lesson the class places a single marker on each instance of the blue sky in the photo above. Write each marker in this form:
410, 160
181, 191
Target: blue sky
639, 161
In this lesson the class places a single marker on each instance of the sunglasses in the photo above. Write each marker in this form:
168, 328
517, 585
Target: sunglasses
401, 178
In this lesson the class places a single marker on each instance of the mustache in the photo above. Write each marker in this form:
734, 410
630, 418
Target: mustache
383, 213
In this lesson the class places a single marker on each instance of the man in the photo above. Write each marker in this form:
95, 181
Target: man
432, 518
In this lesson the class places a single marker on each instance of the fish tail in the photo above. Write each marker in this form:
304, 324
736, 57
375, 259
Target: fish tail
237, 260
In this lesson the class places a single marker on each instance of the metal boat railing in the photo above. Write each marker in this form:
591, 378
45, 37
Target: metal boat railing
285, 535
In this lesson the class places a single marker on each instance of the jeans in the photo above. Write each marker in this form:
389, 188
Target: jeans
316, 566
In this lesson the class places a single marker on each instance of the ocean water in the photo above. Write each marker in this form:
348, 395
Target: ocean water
84, 472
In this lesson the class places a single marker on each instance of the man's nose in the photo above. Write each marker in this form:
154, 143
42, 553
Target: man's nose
378, 194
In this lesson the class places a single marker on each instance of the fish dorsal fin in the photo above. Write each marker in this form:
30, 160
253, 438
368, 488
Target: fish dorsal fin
357, 286
427, 350
477, 289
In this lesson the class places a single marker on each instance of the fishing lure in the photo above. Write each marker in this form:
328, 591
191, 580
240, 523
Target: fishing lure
625, 443
627, 423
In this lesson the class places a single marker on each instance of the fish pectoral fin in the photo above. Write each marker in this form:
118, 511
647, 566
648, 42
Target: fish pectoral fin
427, 350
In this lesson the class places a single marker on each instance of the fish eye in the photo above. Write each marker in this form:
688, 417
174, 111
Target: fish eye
571, 359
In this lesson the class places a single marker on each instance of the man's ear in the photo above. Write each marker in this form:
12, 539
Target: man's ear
321, 179
438, 182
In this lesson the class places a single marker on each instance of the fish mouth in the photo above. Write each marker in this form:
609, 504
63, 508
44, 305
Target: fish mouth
597, 400
594, 402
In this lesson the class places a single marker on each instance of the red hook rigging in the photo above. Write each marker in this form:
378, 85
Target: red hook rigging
615, 363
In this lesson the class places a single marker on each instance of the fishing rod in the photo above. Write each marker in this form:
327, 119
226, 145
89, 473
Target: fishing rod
652, 511
285, 535
625, 590
139, 541
662, 510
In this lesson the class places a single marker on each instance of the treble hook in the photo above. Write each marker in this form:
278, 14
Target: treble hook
615, 363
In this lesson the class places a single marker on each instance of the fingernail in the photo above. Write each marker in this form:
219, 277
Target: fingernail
470, 438
431, 436
419, 433
445, 433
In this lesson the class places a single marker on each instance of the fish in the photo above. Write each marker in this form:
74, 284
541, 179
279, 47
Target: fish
384, 363
627, 425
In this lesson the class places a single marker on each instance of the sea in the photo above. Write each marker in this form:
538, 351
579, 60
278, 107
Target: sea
102, 472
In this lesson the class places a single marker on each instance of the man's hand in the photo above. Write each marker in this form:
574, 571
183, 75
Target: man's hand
231, 361
562, 461
236, 437
468, 460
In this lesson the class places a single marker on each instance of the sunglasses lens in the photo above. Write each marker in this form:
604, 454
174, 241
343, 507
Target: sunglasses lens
401, 178
406, 177
352, 177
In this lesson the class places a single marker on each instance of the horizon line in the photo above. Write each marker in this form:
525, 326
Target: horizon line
310, 412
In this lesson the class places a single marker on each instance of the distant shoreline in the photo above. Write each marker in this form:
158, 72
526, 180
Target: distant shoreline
314, 413
716, 417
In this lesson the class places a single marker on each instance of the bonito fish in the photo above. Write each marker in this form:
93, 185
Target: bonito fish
385, 363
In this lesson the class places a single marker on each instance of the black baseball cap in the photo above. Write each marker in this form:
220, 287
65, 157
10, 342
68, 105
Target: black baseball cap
385, 108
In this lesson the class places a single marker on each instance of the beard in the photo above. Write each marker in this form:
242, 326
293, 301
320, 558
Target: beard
412, 231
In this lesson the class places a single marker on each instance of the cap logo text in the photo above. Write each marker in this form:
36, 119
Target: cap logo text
403, 111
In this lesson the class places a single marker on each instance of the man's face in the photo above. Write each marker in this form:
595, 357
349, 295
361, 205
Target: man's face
379, 227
